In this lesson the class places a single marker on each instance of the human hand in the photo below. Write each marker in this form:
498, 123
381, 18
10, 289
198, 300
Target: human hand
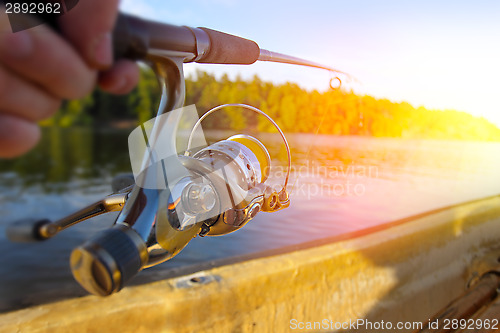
39, 68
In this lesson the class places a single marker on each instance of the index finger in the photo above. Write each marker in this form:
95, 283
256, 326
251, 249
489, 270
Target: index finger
88, 26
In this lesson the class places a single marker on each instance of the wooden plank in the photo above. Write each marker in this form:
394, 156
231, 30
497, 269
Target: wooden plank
405, 273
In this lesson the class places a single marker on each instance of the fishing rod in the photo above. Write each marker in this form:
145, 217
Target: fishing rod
175, 194
135, 38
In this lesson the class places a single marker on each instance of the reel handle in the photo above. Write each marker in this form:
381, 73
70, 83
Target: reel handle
33, 230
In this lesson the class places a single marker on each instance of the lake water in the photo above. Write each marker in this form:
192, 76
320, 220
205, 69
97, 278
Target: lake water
340, 185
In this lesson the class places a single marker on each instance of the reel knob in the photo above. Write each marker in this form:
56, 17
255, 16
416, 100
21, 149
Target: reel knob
102, 265
27, 230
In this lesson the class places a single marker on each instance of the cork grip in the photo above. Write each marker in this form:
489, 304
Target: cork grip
230, 49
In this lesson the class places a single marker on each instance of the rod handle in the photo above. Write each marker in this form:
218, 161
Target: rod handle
134, 37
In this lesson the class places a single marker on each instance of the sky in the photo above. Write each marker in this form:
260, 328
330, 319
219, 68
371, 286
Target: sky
437, 54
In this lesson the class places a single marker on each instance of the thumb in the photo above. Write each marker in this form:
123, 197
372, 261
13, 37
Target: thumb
88, 27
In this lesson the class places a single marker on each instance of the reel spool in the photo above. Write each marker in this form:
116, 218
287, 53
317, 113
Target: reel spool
236, 169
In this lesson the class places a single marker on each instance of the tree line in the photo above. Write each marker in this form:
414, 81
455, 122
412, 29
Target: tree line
336, 112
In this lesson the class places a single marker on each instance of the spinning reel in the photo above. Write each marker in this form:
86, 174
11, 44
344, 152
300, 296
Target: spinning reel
221, 188
175, 195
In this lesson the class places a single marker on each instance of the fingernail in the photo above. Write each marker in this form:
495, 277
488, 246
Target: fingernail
18, 44
103, 54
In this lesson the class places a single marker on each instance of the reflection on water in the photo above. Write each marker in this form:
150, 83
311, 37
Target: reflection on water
340, 184
67, 155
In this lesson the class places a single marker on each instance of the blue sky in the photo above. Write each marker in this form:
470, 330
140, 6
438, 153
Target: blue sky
439, 54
